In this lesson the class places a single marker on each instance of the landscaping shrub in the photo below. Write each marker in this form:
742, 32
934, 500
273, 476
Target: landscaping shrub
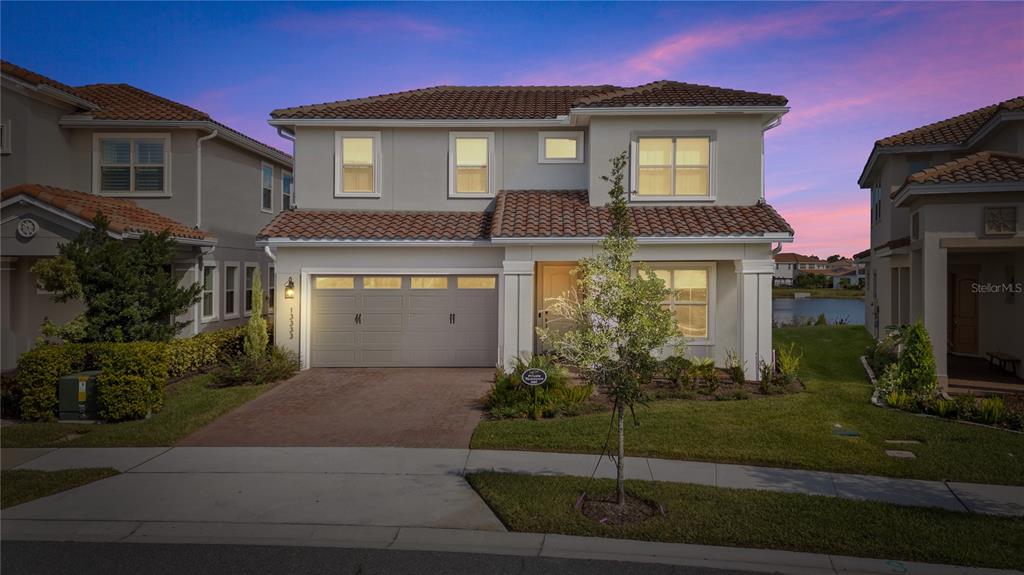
916, 362
190, 355
1015, 412
991, 410
901, 400
509, 397
943, 407
705, 374
10, 397
885, 351
966, 407
677, 369
822, 320
767, 374
787, 360
735, 366
131, 380
38, 372
276, 365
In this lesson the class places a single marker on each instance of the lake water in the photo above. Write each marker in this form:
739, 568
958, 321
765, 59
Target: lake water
786, 310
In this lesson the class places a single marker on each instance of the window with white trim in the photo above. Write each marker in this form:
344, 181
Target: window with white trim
267, 187
672, 166
132, 164
250, 271
209, 300
876, 204
358, 170
560, 147
471, 163
690, 297
230, 290
287, 184
271, 280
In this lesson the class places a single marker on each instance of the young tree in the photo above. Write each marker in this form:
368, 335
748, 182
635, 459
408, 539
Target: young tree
256, 338
128, 287
618, 323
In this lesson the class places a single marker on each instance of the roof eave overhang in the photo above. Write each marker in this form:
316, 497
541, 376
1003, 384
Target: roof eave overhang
337, 242
292, 123
222, 132
650, 240
116, 234
909, 192
770, 113
53, 93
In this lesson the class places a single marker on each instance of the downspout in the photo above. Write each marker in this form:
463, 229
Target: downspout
764, 128
273, 258
199, 177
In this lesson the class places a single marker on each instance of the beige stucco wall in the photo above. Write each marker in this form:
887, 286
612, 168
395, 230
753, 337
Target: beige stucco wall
414, 169
38, 144
736, 154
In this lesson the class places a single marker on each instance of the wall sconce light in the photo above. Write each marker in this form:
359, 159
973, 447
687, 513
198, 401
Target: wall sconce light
289, 289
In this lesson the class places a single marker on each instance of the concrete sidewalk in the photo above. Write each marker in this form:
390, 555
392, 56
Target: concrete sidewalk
262, 469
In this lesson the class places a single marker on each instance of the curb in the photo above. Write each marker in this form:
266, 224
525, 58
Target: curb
470, 541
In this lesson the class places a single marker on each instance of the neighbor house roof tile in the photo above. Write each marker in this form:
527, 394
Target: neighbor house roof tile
568, 213
383, 226
952, 131
790, 257
522, 102
125, 216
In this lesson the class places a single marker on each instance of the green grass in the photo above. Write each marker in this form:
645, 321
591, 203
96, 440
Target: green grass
792, 431
21, 485
189, 406
743, 518
819, 292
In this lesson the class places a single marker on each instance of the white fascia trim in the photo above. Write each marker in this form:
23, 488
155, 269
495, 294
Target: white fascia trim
766, 238
679, 110
399, 271
177, 240
51, 92
912, 190
385, 122
327, 243
226, 133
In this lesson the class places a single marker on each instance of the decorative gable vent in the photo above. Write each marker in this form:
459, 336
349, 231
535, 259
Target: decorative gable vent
1001, 221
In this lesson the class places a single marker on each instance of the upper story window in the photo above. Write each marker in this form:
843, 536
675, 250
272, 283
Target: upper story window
287, 183
471, 159
560, 147
876, 204
5, 136
267, 188
209, 302
675, 167
357, 173
132, 164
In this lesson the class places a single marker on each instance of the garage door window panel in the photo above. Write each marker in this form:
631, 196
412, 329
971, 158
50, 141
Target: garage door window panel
476, 282
335, 282
429, 282
382, 282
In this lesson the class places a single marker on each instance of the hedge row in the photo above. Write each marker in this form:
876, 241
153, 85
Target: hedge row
133, 375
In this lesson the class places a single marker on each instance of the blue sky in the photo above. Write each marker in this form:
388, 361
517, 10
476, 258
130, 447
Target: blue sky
853, 72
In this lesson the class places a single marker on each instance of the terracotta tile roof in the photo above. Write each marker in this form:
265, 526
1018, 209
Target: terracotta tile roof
30, 77
982, 167
790, 257
862, 255
367, 225
671, 93
522, 102
953, 131
125, 215
557, 213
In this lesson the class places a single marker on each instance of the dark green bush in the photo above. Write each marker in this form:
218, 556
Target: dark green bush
190, 355
509, 397
677, 369
277, 365
735, 366
10, 397
916, 362
131, 380
38, 372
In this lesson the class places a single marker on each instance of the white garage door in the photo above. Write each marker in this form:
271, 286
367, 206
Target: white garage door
413, 321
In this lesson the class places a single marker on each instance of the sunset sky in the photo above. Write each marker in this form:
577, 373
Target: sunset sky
853, 73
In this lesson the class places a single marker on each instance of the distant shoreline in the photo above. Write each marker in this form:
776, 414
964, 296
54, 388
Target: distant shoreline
819, 293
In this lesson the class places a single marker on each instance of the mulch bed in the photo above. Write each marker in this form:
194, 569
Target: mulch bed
605, 510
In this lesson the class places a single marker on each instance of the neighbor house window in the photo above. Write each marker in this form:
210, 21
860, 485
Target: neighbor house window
250, 273
560, 147
287, 182
471, 157
271, 280
231, 290
358, 170
209, 301
689, 298
267, 188
131, 164
672, 166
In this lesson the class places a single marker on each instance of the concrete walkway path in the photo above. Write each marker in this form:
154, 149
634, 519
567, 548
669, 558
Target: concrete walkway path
220, 483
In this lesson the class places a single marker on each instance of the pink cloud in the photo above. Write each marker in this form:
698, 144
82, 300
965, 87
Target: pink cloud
364, 22
832, 228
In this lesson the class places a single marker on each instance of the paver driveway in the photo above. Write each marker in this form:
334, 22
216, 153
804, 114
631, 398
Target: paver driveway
394, 407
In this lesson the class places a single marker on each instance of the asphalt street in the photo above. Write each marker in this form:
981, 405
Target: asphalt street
57, 558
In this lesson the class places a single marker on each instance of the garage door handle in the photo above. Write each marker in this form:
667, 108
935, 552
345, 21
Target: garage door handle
359, 318
453, 319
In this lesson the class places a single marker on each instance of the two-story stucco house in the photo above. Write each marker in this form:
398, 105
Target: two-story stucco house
788, 265
148, 164
946, 234
434, 224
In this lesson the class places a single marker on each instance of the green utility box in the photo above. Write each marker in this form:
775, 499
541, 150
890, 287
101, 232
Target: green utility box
76, 396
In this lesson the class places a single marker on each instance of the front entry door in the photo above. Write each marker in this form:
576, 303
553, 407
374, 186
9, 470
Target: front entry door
556, 280
964, 310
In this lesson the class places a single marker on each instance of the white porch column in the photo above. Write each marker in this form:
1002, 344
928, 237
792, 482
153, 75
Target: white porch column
754, 300
517, 327
934, 310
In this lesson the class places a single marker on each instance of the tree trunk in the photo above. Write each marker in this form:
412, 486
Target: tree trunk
620, 464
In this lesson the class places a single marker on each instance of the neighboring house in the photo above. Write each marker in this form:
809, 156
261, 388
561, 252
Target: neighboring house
148, 164
437, 224
789, 265
946, 233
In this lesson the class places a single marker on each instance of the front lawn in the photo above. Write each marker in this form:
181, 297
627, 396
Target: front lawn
189, 405
795, 431
761, 519
21, 485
